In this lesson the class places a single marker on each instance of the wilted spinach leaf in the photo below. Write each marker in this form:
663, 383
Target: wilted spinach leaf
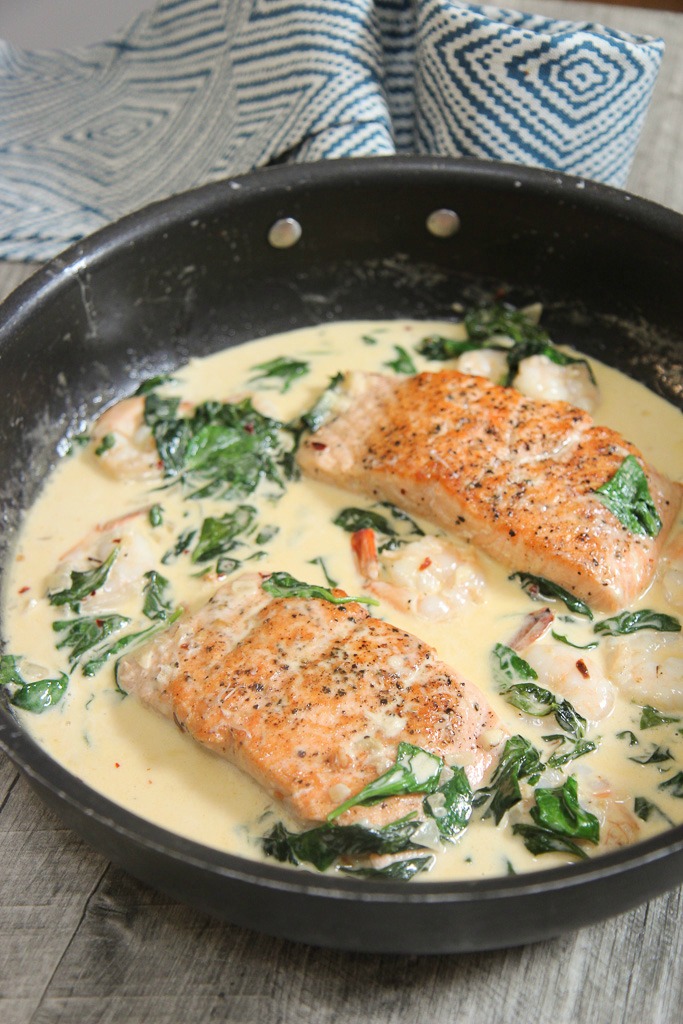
627, 496
35, 696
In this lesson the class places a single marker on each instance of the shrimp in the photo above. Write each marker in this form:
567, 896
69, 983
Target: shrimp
429, 577
574, 675
539, 377
648, 668
125, 445
484, 362
618, 825
134, 557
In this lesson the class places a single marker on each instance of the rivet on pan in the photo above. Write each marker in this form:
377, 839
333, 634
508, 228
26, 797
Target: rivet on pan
284, 233
443, 223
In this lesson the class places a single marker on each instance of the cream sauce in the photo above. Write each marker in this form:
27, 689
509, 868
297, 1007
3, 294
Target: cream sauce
144, 763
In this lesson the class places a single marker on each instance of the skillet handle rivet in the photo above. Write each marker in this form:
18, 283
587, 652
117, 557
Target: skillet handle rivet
443, 223
284, 233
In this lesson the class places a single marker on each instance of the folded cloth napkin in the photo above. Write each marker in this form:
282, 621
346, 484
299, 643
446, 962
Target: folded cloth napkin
198, 90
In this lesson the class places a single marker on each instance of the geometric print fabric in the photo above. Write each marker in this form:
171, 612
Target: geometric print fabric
198, 90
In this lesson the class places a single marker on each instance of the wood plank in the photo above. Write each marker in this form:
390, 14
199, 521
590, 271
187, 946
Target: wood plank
48, 874
133, 941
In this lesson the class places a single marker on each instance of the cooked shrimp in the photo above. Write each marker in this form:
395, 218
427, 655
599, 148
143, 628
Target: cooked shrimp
574, 675
132, 452
484, 362
618, 825
648, 667
540, 377
134, 557
429, 577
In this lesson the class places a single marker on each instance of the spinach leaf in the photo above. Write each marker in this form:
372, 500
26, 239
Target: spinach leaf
154, 382
181, 546
157, 602
107, 442
353, 519
627, 496
222, 450
626, 734
83, 584
501, 318
402, 363
266, 533
559, 809
650, 718
92, 667
392, 530
282, 368
450, 805
320, 412
656, 755
403, 519
156, 515
281, 584
540, 589
509, 667
515, 676
645, 809
569, 643
436, 347
414, 771
319, 561
35, 696
673, 786
631, 622
519, 760
83, 634
218, 533
322, 845
402, 870
538, 840
571, 749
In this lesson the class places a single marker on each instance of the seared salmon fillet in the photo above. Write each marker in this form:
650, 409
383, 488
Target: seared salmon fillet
310, 698
514, 475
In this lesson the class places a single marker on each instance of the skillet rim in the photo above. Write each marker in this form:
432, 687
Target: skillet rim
105, 244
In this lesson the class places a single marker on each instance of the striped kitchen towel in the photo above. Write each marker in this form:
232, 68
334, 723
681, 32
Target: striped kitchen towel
198, 90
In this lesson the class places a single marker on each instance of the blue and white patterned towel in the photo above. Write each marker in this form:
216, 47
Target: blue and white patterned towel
198, 90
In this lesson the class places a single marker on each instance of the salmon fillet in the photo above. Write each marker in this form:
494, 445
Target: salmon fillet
310, 698
514, 475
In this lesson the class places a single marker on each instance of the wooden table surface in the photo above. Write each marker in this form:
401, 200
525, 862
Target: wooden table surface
82, 941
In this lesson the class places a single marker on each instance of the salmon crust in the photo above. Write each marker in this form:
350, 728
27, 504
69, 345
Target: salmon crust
310, 698
514, 475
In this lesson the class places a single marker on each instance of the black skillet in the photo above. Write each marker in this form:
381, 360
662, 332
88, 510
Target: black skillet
200, 272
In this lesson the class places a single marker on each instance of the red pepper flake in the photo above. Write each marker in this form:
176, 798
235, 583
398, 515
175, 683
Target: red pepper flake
116, 764
583, 668
22, 590
249, 428
318, 445
425, 565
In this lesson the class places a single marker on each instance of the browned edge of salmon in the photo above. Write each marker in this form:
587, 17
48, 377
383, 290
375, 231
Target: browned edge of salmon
514, 475
309, 698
